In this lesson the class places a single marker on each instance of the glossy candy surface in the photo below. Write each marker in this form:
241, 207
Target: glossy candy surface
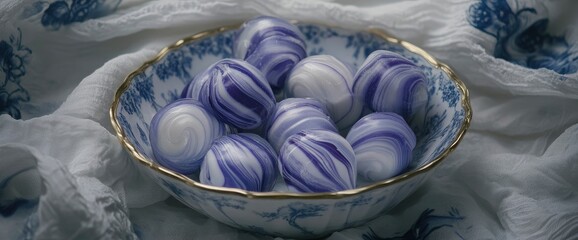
237, 93
330, 81
389, 82
243, 160
317, 161
193, 88
272, 45
187, 88
181, 133
383, 145
293, 115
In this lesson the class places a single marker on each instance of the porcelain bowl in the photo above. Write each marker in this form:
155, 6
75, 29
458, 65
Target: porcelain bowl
295, 215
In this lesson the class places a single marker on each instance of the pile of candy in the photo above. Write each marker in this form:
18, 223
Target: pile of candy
230, 130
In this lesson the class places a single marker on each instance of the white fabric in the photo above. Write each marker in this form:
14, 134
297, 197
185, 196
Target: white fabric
514, 175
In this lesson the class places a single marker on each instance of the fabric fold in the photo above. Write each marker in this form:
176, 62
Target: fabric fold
63, 173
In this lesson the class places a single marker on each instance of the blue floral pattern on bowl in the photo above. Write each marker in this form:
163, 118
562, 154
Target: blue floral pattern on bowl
157, 83
521, 41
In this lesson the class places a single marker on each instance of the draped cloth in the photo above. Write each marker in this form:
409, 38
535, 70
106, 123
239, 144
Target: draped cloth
64, 175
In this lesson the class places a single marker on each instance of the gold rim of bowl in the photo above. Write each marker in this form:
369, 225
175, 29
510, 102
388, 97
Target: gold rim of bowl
465, 101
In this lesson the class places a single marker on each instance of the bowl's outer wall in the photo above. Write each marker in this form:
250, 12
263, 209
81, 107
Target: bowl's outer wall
290, 218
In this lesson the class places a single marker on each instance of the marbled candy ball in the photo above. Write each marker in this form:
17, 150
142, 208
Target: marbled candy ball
388, 82
293, 115
187, 88
272, 45
318, 161
193, 88
327, 79
237, 93
383, 144
243, 160
181, 133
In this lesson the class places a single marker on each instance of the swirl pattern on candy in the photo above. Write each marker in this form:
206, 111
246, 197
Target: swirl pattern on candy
187, 88
237, 93
383, 144
330, 81
193, 88
272, 45
243, 160
317, 161
388, 82
293, 115
181, 133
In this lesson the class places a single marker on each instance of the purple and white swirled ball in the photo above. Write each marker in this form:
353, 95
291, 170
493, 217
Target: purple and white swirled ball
187, 88
293, 115
318, 161
388, 82
272, 45
237, 93
193, 88
243, 160
383, 144
181, 133
327, 79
